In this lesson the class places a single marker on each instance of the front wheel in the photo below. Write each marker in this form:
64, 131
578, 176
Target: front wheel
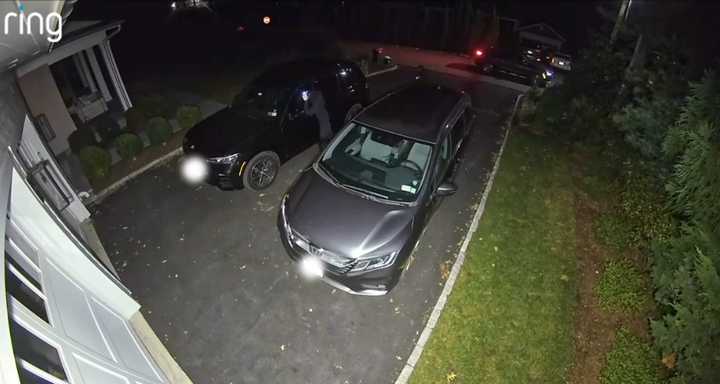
261, 170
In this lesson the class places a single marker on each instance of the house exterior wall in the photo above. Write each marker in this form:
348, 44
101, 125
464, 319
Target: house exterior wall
43, 97
12, 115
89, 311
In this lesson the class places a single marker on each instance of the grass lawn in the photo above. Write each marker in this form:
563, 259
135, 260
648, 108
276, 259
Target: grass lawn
510, 316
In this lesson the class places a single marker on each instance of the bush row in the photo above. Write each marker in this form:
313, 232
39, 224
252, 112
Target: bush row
96, 159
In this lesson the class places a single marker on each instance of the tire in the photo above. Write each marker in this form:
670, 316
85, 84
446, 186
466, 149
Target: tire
260, 172
352, 111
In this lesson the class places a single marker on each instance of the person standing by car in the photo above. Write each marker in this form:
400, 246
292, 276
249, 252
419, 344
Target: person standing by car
314, 105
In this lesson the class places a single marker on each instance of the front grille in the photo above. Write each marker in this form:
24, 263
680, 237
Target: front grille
334, 266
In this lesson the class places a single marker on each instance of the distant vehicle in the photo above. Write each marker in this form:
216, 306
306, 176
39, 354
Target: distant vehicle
245, 143
354, 217
480, 54
535, 55
505, 64
561, 61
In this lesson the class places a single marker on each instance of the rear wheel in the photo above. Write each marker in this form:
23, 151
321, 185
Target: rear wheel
352, 111
261, 170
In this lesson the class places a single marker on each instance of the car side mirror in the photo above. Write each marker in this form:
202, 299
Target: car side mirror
446, 189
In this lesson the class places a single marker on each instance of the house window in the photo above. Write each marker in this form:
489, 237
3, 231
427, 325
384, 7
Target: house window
38, 361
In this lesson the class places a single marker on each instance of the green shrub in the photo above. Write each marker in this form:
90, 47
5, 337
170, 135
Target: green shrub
646, 123
622, 287
157, 105
128, 145
188, 115
686, 273
80, 138
631, 361
158, 130
693, 145
95, 161
106, 127
136, 120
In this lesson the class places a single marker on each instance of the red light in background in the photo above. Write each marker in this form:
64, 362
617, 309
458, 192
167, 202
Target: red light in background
478, 52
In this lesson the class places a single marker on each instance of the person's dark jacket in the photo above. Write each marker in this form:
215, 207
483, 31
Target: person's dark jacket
315, 106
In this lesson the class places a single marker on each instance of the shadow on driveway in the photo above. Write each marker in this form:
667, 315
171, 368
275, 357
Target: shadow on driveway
220, 292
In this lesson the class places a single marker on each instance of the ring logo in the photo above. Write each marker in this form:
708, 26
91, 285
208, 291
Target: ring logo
28, 23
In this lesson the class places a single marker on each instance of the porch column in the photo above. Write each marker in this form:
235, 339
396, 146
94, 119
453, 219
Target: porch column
84, 70
90, 52
115, 77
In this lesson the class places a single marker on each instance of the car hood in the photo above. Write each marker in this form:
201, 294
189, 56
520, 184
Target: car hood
223, 133
343, 222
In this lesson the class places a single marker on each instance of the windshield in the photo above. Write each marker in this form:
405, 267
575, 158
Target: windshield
262, 101
377, 163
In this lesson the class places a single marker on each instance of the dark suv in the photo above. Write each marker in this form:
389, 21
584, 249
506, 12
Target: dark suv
245, 143
355, 216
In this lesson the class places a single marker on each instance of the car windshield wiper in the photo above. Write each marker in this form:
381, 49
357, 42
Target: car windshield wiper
365, 191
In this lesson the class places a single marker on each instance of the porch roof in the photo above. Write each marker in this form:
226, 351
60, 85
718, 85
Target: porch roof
74, 30
77, 37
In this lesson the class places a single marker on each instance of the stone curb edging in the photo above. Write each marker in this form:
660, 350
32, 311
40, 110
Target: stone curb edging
417, 351
120, 183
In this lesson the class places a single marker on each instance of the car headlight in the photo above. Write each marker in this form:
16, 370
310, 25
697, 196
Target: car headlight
373, 263
549, 73
224, 160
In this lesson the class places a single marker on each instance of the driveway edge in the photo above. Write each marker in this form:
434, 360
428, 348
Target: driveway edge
118, 184
417, 351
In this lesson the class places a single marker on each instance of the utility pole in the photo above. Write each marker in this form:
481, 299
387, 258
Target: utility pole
622, 16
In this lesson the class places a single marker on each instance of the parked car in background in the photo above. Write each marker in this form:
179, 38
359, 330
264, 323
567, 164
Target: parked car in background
355, 216
562, 61
507, 65
266, 125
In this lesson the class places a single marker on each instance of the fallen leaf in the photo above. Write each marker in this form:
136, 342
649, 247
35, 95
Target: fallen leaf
670, 360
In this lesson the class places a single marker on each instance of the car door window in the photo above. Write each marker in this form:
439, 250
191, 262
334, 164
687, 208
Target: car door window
296, 106
458, 133
443, 160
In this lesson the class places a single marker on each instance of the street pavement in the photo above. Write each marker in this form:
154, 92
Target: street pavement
216, 285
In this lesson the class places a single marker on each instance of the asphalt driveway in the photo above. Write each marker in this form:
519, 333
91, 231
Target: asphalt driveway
218, 289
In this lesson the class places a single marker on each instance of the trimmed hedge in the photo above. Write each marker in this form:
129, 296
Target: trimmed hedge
128, 145
136, 120
96, 162
157, 105
158, 130
188, 115
106, 127
81, 138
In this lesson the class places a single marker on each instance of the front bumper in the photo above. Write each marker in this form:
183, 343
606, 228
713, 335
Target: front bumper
225, 176
373, 283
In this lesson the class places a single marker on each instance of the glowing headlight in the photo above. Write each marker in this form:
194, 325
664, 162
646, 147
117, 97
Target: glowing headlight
193, 169
223, 160
373, 263
311, 267
549, 73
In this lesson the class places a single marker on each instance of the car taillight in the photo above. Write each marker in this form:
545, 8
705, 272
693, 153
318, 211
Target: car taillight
478, 52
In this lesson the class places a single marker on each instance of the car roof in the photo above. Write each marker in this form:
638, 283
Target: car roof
417, 111
295, 71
